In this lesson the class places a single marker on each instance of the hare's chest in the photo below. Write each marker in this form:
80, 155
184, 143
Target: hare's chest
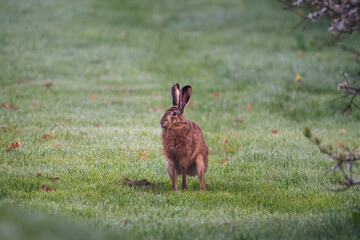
174, 145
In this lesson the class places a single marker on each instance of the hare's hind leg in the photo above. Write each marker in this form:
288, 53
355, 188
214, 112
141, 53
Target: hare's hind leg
200, 171
173, 174
184, 170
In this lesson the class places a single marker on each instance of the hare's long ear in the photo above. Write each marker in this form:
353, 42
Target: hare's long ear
185, 97
175, 92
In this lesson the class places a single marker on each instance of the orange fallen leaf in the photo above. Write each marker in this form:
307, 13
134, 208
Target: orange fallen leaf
14, 145
191, 105
35, 104
158, 96
155, 109
216, 94
38, 175
224, 160
58, 145
248, 107
143, 155
340, 145
5, 105
225, 141
48, 189
93, 96
44, 137
274, 132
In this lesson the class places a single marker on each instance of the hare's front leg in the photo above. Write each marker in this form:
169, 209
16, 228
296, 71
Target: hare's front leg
173, 175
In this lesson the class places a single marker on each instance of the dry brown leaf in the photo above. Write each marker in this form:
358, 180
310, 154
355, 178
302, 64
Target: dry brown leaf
5, 105
48, 189
216, 94
155, 109
48, 84
158, 96
13, 146
57, 145
224, 160
248, 107
239, 120
143, 155
340, 145
45, 136
35, 104
191, 105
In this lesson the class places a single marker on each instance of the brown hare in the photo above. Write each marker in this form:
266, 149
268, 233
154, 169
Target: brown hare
183, 141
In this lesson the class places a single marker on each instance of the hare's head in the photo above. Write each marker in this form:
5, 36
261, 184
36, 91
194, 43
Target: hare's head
175, 114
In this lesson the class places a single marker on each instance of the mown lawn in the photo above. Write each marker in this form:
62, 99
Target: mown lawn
84, 84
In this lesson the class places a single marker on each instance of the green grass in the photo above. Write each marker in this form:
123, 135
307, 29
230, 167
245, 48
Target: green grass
129, 53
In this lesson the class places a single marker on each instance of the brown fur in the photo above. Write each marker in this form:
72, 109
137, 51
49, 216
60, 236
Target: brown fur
183, 141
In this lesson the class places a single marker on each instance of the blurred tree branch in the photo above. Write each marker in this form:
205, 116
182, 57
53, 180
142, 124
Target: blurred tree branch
343, 162
344, 16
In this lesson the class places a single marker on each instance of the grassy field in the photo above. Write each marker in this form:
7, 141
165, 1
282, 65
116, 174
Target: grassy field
84, 84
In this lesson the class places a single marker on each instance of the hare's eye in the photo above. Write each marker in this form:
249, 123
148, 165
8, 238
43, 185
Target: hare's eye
174, 113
